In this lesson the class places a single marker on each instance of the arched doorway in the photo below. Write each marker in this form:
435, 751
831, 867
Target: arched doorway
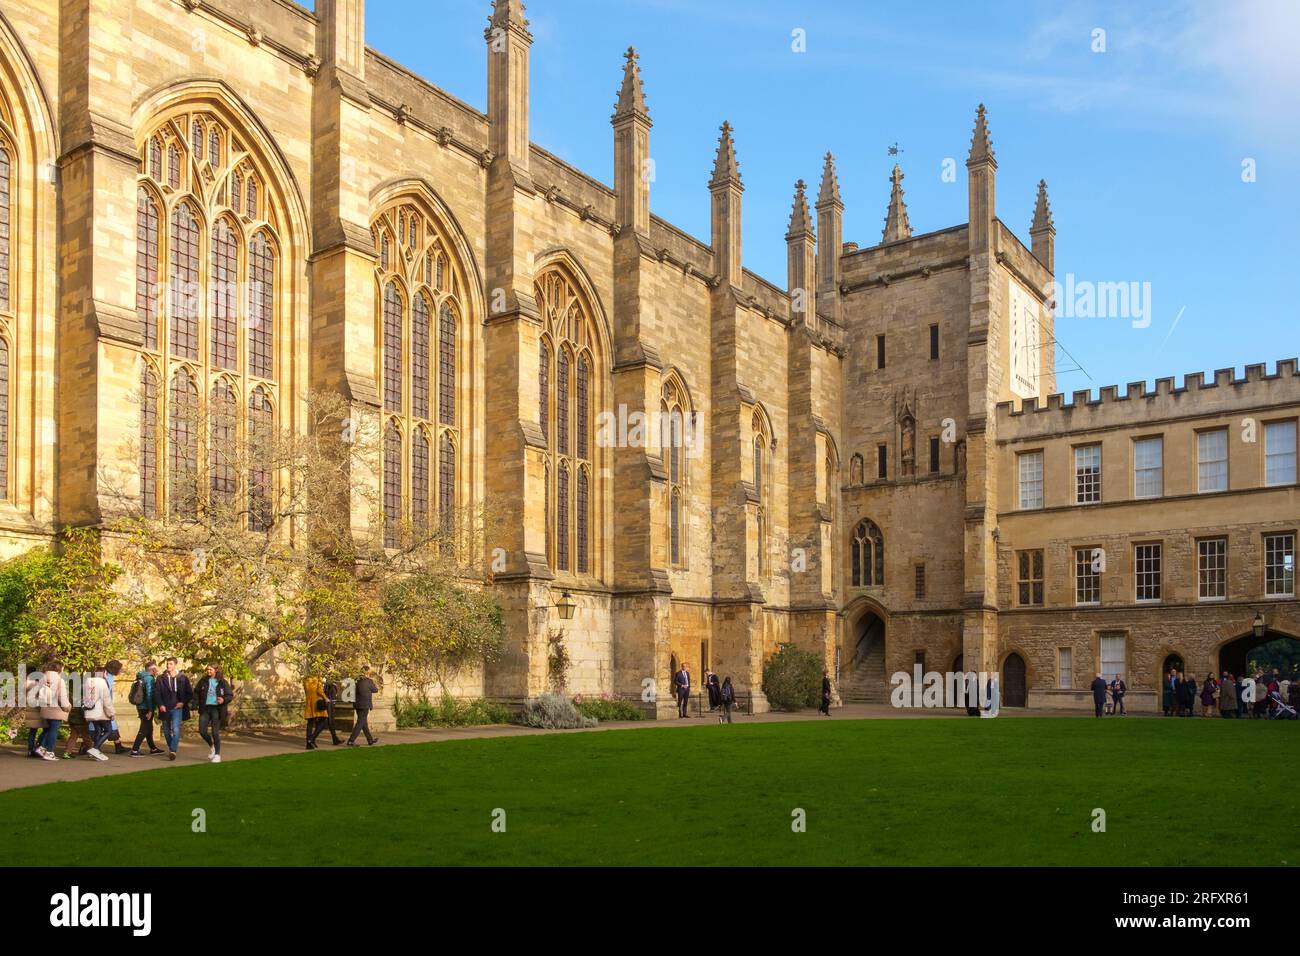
1014, 691
864, 679
1272, 649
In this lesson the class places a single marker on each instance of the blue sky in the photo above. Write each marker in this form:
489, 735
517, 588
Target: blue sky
1142, 144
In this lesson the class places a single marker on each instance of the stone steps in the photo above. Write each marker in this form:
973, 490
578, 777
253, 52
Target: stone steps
866, 683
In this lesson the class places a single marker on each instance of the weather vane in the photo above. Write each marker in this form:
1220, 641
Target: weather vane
895, 150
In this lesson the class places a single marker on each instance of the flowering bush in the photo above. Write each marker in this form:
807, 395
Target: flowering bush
553, 712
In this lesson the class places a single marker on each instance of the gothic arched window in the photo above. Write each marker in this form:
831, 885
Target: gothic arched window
183, 444
222, 286
565, 415
761, 441
205, 337
149, 441
392, 492
420, 480
4, 418
222, 468
419, 366
868, 555
6, 306
675, 413
261, 418
6, 223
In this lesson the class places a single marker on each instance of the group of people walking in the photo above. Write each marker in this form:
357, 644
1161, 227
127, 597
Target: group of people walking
163, 696
1261, 695
320, 694
722, 695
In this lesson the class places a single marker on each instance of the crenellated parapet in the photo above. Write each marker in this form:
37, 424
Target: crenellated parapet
1199, 396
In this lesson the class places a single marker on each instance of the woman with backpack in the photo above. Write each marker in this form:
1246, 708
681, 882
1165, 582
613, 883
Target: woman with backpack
98, 702
35, 724
55, 707
728, 699
142, 697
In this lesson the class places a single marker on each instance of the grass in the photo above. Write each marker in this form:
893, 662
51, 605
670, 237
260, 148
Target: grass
894, 792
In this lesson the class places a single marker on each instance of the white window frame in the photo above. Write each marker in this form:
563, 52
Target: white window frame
1155, 552
1283, 459
1064, 668
1112, 665
1214, 563
1148, 473
1210, 466
1031, 481
1289, 538
1086, 554
1087, 474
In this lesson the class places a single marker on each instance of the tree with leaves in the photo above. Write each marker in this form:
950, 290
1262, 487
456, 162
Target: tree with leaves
60, 604
281, 550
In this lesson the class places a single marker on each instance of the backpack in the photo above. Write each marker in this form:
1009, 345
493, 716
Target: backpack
136, 696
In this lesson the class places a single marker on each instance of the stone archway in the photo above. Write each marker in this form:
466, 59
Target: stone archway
1234, 655
864, 678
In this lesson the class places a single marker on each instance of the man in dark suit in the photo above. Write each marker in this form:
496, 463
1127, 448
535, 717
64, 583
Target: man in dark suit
365, 690
682, 681
172, 692
1099, 694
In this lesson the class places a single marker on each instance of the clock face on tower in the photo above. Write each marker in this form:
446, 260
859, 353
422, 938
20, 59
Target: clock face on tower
1022, 314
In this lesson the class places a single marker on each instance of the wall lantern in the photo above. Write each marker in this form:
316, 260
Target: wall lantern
1258, 625
565, 605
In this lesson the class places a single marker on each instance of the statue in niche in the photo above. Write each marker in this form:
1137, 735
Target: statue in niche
909, 446
905, 403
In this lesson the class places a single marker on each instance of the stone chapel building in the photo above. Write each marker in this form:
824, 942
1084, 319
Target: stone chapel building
878, 467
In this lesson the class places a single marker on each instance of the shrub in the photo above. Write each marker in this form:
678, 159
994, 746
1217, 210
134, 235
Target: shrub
448, 712
553, 712
792, 678
607, 708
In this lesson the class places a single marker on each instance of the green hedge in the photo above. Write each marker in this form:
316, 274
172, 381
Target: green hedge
448, 712
604, 708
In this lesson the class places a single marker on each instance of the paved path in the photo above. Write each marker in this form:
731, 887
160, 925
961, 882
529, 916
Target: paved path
17, 770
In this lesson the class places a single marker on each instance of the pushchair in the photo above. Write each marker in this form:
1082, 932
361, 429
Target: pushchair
1278, 709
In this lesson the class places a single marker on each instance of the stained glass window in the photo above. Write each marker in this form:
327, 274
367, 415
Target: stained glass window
223, 298
182, 284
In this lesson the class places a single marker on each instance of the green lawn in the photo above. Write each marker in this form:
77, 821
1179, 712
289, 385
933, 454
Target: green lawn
1019, 791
